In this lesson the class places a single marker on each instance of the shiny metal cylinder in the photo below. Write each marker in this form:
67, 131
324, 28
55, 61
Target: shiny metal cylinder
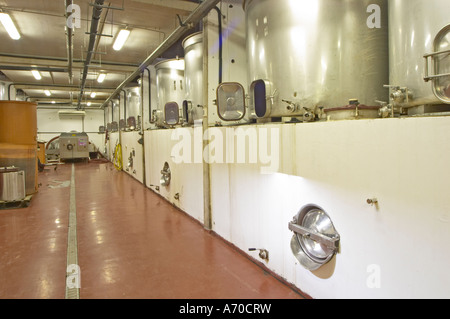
133, 102
108, 115
193, 73
316, 53
115, 111
413, 26
170, 83
12, 184
3, 91
23, 157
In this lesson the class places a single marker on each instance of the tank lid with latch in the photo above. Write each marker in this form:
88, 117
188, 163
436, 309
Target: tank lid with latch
315, 240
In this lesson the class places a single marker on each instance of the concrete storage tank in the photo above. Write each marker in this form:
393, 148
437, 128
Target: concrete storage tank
18, 139
193, 73
308, 54
411, 36
171, 91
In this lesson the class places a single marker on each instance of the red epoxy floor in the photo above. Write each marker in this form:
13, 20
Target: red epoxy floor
131, 244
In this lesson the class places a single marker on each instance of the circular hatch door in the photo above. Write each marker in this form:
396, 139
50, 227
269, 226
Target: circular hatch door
315, 240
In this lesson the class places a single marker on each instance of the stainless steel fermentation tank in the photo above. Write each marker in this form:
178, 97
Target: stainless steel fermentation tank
193, 73
307, 54
171, 91
133, 109
414, 26
3, 91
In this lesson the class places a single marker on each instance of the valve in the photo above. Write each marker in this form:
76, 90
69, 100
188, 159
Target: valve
263, 253
291, 106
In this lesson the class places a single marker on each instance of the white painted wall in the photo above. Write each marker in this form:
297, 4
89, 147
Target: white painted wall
186, 180
111, 145
129, 144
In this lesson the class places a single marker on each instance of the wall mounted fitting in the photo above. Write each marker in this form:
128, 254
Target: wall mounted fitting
166, 175
315, 240
263, 253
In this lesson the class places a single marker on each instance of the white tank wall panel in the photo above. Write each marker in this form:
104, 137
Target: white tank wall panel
339, 167
129, 144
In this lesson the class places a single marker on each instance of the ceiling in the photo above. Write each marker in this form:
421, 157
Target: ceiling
44, 45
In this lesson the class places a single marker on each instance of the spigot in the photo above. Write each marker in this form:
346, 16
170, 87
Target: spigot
263, 253
291, 106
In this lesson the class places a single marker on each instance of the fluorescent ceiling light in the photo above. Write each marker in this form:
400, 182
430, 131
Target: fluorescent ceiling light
121, 39
47, 92
9, 26
101, 77
93, 95
88, 103
36, 74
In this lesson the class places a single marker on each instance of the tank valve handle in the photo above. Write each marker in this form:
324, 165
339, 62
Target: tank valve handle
292, 107
263, 253
372, 201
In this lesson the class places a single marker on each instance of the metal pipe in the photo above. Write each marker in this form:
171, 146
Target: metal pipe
124, 107
9, 91
96, 12
100, 31
219, 17
207, 220
141, 131
149, 97
31, 68
60, 86
201, 11
58, 59
429, 100
69, 45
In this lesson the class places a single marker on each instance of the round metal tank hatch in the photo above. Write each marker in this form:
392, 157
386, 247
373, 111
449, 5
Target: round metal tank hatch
441, 60
315, 240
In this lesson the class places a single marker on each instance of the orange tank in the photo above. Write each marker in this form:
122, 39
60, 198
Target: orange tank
18, 139
18, 122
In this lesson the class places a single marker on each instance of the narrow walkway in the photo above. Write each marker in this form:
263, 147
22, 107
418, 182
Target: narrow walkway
131, 244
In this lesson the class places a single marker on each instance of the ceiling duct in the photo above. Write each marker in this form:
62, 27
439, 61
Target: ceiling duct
69, 43
96, 13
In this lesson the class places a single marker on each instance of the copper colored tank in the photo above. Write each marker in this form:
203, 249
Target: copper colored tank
18, 139
18, 122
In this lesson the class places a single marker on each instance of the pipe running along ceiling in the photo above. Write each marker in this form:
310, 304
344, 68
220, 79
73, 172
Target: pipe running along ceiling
70, 59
